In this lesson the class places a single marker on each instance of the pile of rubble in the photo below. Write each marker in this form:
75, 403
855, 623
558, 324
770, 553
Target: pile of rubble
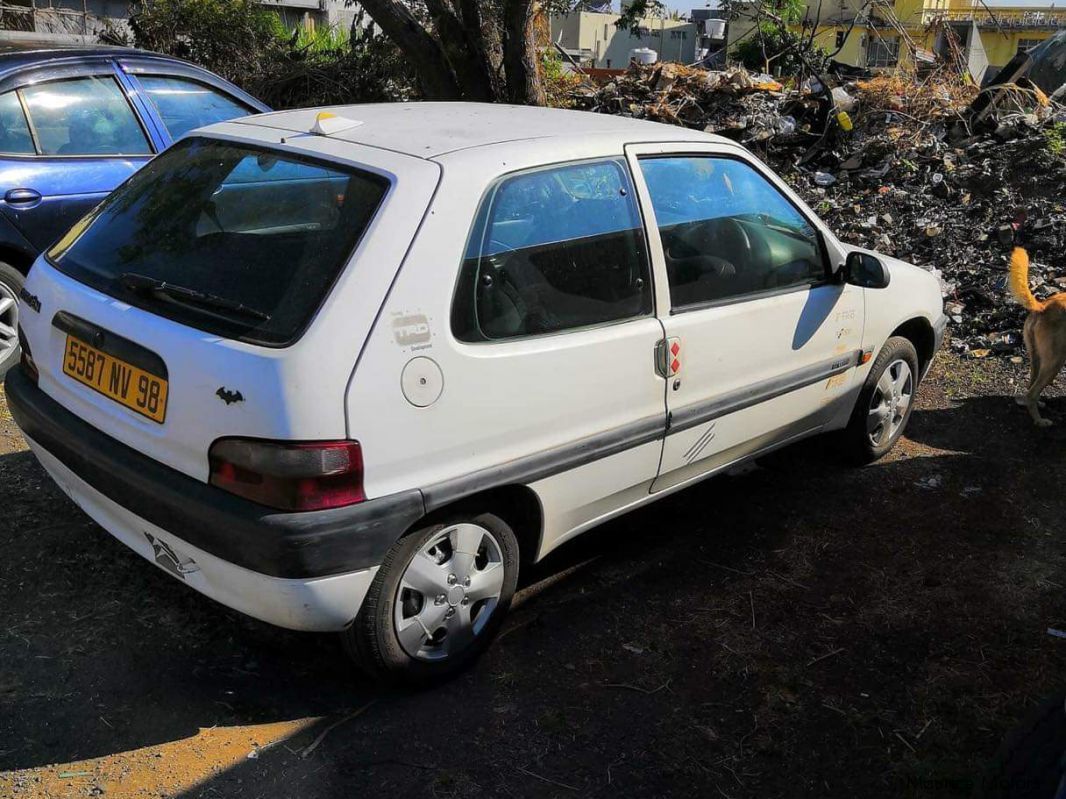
902, 170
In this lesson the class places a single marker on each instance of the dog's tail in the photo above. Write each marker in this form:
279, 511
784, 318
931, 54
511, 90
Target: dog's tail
1019, 281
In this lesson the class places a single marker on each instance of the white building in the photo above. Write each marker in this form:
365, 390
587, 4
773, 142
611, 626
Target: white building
593, 39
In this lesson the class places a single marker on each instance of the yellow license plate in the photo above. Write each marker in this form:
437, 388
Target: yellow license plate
140, 391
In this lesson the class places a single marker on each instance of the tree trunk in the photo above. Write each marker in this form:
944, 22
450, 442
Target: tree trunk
520, 53
485, 37
427, 56
462, 47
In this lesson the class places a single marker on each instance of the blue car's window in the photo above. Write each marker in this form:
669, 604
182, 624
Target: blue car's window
552, 250
727, 231
250, 259
185, 104
83, 116
14, 132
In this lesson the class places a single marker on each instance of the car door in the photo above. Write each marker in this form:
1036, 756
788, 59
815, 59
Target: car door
84, 139
761, 339
547, 378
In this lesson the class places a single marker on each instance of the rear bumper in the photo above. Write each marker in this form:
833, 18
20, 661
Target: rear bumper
323, 604
230, 529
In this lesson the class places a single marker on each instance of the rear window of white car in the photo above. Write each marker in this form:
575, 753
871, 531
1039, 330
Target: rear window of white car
231, 239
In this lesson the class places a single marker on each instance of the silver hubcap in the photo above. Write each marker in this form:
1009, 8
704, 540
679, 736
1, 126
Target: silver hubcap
448, 592
9, 321
889, 404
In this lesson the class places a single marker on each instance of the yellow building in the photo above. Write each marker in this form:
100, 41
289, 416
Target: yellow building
882, 35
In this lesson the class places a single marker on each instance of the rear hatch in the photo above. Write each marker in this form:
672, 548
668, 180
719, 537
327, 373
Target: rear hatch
224, 290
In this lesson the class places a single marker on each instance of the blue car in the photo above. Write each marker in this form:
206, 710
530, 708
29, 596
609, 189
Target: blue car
75, 122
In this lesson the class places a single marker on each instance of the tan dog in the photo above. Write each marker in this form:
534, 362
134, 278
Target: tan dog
1044, 331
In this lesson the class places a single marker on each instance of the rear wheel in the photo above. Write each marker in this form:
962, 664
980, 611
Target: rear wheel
11, 282
437, 600
885, 403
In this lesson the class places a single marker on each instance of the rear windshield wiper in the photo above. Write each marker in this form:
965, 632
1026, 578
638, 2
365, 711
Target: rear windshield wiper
149, 286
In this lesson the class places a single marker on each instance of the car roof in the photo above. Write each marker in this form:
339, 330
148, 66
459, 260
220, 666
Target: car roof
428, 130
26, 52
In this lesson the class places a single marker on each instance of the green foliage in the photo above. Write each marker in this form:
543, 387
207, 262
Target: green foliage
321, 39
789, 12
246, 43
771, 47
229, 37
637, 10
1055, 136
558, 81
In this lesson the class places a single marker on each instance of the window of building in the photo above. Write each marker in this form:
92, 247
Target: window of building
83, 116
1027, 44
883, 51
727, 232
185, 104
552, 250
841, 38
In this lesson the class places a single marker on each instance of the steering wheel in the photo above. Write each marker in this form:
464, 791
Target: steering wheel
733, 239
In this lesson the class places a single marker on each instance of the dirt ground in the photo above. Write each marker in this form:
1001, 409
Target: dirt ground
802, 630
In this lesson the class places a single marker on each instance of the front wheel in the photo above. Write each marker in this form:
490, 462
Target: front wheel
437, 601
885, 403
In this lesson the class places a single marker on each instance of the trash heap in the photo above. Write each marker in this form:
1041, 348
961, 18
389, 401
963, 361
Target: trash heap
902, 171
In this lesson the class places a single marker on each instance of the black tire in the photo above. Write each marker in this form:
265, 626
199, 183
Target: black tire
856, 441
372, 640
1031, 763
12, 282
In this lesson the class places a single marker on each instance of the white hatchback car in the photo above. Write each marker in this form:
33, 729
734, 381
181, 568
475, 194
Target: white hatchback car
347, 371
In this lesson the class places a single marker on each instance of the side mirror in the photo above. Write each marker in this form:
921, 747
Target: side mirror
861, 269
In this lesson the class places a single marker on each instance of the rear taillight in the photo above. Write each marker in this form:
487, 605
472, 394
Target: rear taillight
26, 361
289, 476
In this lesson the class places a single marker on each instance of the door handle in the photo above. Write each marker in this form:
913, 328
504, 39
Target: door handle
668, 357
22, 197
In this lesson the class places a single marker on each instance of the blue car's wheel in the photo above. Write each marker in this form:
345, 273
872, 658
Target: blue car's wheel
10, 285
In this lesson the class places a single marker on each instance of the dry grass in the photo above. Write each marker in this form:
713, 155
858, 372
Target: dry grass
940, 95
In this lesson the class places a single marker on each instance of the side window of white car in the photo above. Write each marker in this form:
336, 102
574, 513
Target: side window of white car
554, 249
727, 232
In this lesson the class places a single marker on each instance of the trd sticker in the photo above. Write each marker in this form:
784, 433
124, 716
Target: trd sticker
168, 559
411, 329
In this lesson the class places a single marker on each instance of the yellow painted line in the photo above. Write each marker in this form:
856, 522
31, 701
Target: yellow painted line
154, 771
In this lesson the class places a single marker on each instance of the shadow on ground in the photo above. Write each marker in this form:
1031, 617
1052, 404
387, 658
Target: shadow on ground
805, 629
